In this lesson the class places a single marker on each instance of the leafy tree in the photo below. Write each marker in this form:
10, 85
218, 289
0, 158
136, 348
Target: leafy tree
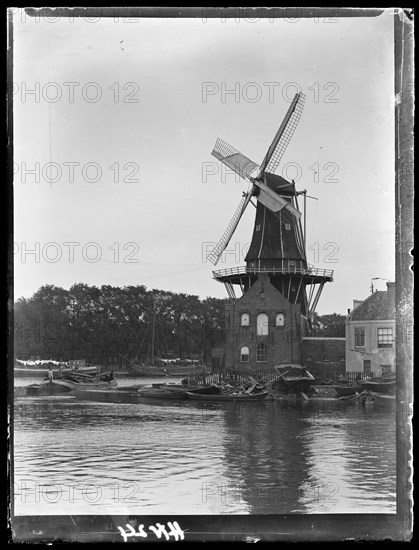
112, 324
331, 325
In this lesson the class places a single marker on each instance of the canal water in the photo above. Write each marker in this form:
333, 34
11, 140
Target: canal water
151, 457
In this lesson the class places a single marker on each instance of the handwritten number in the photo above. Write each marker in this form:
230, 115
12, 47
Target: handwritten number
159, 530
174, 531
131, 532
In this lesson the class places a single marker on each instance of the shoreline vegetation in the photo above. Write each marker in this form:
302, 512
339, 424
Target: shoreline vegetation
111, 325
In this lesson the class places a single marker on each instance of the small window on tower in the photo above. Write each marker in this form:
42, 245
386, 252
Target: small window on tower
288, 226
244, 354
258, 227
245, 320
280, 320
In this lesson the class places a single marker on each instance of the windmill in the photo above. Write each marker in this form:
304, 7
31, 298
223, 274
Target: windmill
278, 245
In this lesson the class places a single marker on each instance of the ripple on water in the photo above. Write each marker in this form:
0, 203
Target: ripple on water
202, 460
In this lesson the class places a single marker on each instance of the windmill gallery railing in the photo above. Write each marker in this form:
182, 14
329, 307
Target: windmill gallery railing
286, 269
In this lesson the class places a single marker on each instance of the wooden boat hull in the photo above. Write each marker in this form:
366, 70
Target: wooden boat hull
227, 397
391, 377
48, 387
378, 387
293, 378
156, 393
296, 386
347, 390
168, 371
176, 391
299, 384
60, 385
205, 390
94, 385
42, 372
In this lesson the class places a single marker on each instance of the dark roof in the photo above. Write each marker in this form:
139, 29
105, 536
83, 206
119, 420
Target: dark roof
377, 306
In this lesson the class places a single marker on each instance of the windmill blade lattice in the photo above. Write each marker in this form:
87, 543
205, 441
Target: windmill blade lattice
215, 254
232, 158
286, 134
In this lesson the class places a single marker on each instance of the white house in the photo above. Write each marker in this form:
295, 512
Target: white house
371, 333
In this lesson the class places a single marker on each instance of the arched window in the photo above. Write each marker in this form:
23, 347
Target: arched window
262, 325
244, 354
262, 353
245, 320
280, 320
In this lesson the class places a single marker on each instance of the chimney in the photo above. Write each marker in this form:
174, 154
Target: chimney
357, 303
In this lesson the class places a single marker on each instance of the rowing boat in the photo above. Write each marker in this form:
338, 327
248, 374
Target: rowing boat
227, 396
378, 386
348, 389
293, 378
161, 393
47, 387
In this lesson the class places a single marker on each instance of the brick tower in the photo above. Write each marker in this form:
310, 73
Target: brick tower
279, 290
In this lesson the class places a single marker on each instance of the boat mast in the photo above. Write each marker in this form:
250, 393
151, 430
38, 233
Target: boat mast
152, 337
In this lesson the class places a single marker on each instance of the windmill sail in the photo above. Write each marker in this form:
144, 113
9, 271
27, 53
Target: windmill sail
273, 201
283, 136
215, 255
232, 158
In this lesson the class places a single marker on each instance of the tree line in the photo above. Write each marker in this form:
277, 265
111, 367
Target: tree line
114, 325
117, 326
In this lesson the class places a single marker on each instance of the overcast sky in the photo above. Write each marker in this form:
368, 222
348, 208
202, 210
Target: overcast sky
119, 131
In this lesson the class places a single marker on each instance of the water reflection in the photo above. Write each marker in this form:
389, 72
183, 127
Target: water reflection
151, 457
311, 458
264, 458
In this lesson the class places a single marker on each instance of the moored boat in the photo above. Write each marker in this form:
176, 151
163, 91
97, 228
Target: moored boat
41, 373
69, 382
48, 387
175, 391
169, 370
351, 388
42, 367
378, 385
205, 390
100, 385
243, 397
160, 393
293, 378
